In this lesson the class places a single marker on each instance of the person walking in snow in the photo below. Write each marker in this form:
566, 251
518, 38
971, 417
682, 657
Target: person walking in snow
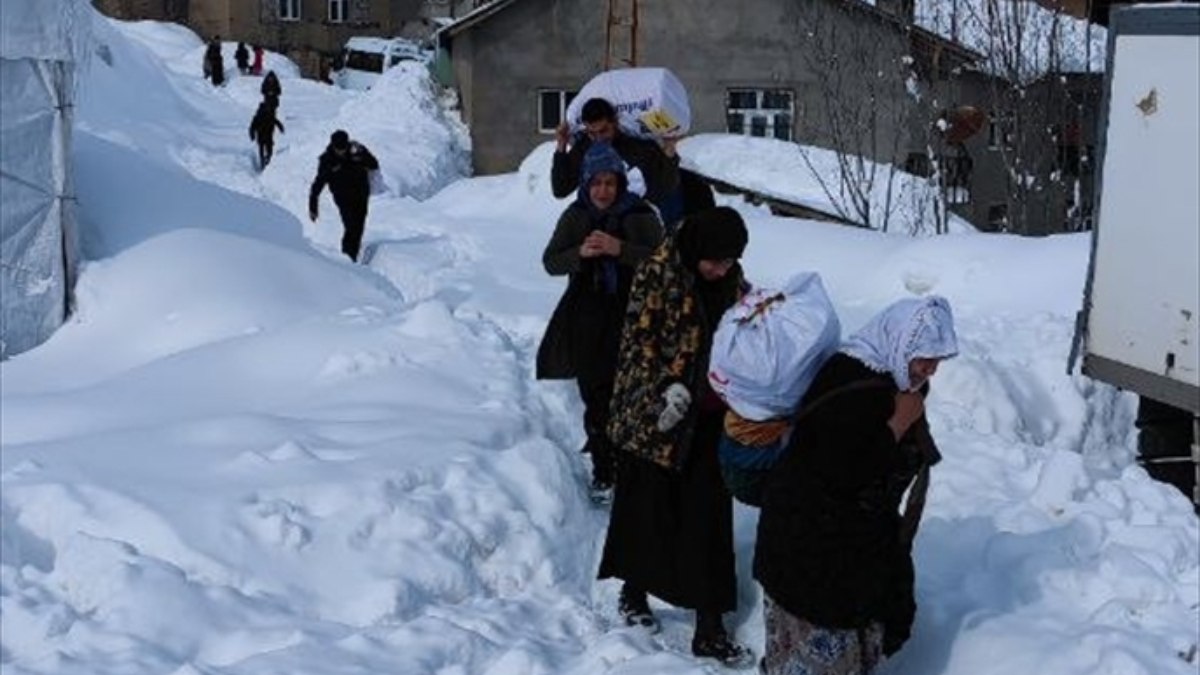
599, 240
242, 57
833, 553
346, 168
257, 66
671, 531
262, 130
214, 62
270, 88
659, 165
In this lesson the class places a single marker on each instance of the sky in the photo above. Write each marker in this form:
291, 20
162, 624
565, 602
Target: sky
245, 455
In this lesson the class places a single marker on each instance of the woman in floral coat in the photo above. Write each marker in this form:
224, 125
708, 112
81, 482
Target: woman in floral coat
671, 532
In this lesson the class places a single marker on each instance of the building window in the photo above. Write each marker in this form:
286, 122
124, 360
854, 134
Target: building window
956, 177
289, 10
552, 108
337, 10
917, 163
997, 216
767, 113
1001, 129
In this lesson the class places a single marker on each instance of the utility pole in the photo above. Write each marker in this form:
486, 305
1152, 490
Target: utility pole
620, 35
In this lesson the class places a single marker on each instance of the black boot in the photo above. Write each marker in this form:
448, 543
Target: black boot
711, 641
635, 609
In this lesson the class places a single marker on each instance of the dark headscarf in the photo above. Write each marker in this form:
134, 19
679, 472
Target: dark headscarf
601, 158
714, 234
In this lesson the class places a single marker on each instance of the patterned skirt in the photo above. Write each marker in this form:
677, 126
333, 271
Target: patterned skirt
796, 647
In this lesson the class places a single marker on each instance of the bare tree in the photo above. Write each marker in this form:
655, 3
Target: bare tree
860, 109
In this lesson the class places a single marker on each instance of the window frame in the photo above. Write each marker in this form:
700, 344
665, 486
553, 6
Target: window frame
1002, 128
765, 115
565, 96
296, 8
345, 15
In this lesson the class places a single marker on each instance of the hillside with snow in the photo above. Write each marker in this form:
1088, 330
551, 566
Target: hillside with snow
244, 455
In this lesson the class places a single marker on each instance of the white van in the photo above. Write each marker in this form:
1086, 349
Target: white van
365, 58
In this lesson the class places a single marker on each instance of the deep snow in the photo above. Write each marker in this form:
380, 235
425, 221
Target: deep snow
246, 455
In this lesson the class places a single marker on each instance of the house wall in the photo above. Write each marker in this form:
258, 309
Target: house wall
560, 44
502, 63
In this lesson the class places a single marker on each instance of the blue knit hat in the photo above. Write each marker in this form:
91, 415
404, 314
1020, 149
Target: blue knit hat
600, 158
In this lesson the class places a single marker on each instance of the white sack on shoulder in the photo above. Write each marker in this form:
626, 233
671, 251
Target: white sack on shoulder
770, 345
650, 102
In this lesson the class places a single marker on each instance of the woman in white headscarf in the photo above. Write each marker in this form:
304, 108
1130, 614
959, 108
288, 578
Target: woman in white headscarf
834, 553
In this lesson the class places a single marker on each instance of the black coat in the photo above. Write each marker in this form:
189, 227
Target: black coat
584, 332
347, 175
242, 57
829, 548
660, 172
262, 127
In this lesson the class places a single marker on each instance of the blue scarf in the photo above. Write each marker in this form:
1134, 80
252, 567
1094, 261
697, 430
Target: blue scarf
602, 158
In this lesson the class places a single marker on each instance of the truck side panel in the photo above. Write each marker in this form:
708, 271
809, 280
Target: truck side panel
1143, 325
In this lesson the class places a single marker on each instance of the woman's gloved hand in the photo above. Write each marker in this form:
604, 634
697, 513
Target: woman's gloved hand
677, 398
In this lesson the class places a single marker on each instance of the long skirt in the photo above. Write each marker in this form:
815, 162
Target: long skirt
797, 647
671, 533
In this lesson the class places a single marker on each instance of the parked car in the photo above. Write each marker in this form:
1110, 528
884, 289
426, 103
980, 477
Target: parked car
364, 59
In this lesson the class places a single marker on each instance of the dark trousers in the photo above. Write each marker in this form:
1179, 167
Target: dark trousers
596, 395
265, 150
354, 220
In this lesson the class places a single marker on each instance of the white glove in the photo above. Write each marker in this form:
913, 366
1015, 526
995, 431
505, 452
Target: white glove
677, 398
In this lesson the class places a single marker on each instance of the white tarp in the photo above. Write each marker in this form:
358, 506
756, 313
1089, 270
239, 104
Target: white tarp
37, 240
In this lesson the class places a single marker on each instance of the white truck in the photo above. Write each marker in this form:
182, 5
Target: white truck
1139, 328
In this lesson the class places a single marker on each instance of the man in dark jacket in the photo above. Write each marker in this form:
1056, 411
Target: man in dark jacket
659, 165
345, 167
599, 240
262, 130
242, 57
214, 63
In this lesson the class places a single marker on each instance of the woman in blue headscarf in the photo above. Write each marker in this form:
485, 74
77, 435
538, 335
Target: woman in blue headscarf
833, 552
599, 240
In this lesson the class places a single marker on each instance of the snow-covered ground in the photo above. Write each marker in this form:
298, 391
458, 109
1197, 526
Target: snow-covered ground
245, 455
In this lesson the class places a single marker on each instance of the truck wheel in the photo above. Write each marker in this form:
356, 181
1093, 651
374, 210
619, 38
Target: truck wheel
1166, 438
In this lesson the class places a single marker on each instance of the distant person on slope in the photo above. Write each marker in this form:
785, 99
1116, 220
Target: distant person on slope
257, 66
242, 56
271, 88
345, 167
659, 165
262, 130
599, 240
214, 63
833, 553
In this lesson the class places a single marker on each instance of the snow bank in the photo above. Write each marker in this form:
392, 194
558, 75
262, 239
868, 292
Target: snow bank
809, 176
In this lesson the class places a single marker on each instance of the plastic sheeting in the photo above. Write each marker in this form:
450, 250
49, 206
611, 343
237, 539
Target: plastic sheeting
37, 236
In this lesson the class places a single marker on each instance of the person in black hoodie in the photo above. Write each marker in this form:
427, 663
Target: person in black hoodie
262, 130
346, 168
599, 240
833, 553
241, 56
270, 88
214, 62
